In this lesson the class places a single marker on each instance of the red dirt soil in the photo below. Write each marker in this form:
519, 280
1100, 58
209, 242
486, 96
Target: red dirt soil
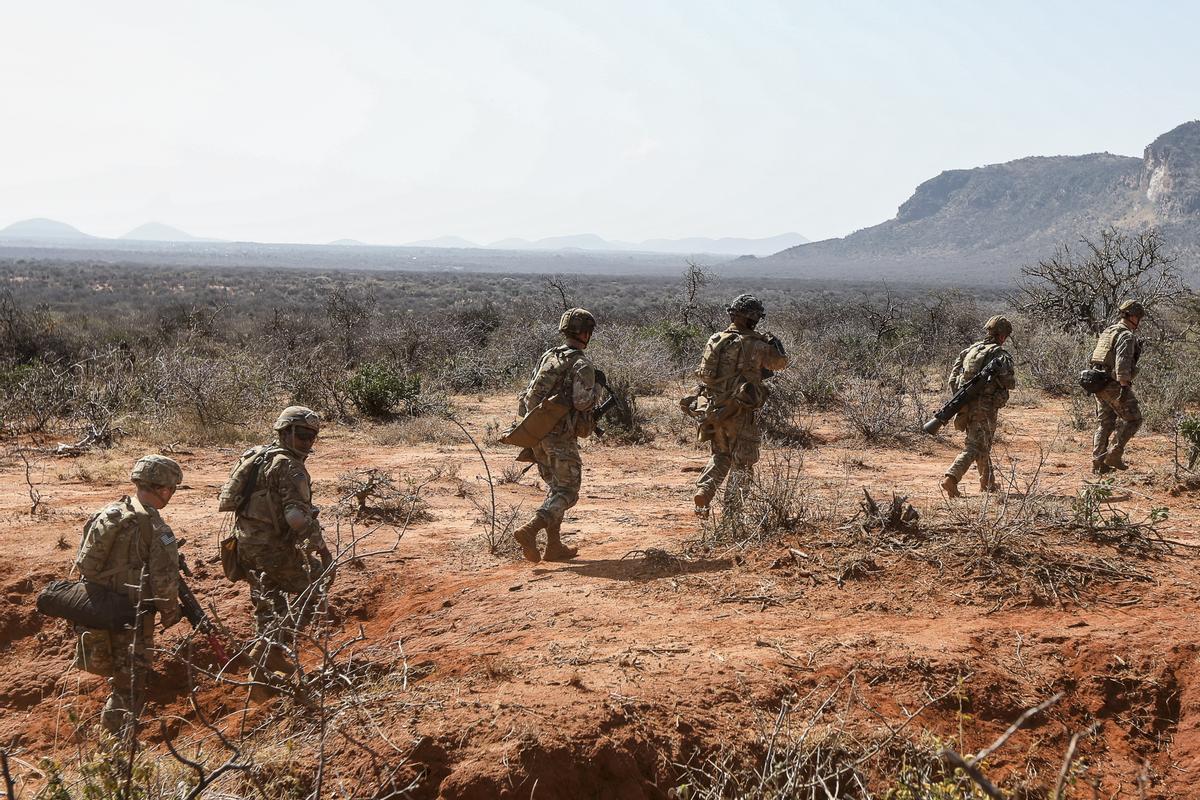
595, 678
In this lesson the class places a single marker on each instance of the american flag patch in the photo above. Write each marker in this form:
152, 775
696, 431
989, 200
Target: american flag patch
167, 538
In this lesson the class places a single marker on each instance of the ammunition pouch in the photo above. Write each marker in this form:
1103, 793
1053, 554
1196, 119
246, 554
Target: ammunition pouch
750, 396
229, 560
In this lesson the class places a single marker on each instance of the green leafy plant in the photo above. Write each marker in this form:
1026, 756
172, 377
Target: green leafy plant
381, 391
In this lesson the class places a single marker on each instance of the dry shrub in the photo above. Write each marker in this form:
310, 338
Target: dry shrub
786, 419
762, 509
373, 494
192, 389
1054, 358
876, 412
413, 431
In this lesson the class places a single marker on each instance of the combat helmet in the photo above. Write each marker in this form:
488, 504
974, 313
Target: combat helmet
300, 416
156, 470
747, 305
1132, 308
998, 326
575, 321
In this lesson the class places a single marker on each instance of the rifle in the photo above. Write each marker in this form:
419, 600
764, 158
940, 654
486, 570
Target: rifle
965, 394
599, 411
194, 613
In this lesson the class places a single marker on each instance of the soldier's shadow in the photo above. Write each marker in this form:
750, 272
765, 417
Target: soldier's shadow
638, 570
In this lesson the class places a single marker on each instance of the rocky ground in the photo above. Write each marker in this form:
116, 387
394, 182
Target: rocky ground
475, 674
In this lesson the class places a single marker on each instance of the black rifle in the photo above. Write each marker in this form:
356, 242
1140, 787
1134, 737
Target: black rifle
194, 613
965, 394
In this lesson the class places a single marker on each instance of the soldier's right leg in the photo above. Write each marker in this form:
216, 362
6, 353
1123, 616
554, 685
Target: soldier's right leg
722, 444
566, 470
970, 455
1129, 412
745, 454
273, 626
127, 686
981, 435
1106, 423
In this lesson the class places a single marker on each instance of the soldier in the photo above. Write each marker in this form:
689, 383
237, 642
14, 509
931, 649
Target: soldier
978, 417
1117, 408
731, 373
277, 536
564, 371
129, 549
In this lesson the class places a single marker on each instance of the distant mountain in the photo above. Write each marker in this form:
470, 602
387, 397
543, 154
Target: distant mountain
42, 228
694, 245
347, 243
442, 241
725, 246
983, 224
158, 232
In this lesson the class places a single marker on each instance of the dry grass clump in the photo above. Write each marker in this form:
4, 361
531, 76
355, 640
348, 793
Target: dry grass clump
819, 747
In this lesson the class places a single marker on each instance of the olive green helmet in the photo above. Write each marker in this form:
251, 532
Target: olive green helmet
1132, 308
747, 305
575, 321
300, 416
998, 326
157, 471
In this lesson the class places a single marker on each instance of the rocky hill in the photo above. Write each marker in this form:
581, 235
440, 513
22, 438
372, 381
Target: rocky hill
984, 223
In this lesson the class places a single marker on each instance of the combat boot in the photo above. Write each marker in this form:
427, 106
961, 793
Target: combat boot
555, 549
526, 536
950, 486
1099, 467
702, 499
988, 484
1115, 461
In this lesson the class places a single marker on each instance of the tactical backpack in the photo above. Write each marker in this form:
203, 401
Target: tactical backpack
243, 478
237, 491
89, 602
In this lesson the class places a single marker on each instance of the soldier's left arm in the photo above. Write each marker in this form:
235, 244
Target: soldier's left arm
1126, 348
774, 357
1006, 372
163, 570
583, 386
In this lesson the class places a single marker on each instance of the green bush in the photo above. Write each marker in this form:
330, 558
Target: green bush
380, 391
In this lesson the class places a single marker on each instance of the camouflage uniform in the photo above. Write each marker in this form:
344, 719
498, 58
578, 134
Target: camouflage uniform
1117, 408
143, 564
566, 371
732, 368
277, 562
563, 368
979, 417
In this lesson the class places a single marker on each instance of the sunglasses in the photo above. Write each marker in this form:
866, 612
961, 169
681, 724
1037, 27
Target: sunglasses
304, 434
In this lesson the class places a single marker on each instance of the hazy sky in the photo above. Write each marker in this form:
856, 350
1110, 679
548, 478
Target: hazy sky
393, 121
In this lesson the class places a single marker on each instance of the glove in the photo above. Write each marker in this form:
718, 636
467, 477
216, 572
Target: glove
777, 343
601, 378
170, 618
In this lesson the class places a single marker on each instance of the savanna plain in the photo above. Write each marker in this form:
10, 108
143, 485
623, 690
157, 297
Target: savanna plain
846, 631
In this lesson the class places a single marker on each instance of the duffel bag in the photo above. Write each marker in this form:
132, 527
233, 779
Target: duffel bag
88, 604
1093, 380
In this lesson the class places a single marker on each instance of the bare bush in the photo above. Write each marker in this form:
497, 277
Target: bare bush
1054, 358
199, 391
1081, 289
